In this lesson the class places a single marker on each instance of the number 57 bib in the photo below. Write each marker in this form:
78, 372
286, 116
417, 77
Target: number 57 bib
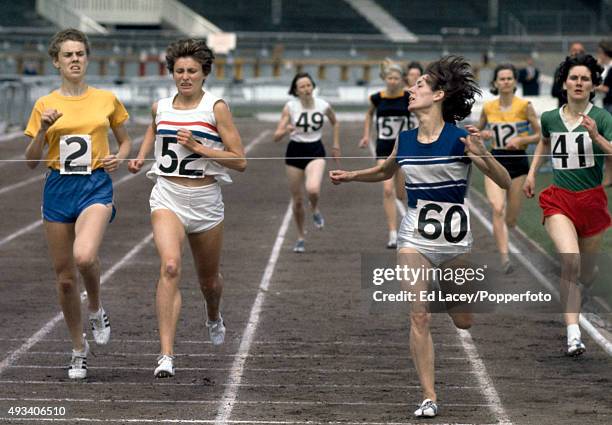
75, 154
443, 223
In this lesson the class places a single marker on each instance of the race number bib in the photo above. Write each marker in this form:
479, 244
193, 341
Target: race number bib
176, 160
390, 127
571, 151
309, 123
442, 222
502, 133
75, 154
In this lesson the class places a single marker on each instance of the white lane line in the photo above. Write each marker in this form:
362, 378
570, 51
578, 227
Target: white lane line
212, 421
257, 140
483, 378
38, 336
229, 396
29, 181
252, 369
257, 356
247, 402
278, 342
244, 385
9, 136
20, 232
200, 384
601, 340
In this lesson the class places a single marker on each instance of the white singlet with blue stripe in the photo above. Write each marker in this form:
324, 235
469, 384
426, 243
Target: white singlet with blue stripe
172, 159
437, 176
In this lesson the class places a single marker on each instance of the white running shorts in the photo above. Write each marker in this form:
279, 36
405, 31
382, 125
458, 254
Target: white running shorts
198, 208
437, 253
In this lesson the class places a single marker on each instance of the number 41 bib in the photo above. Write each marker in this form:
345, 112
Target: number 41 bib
572, 150
75, 154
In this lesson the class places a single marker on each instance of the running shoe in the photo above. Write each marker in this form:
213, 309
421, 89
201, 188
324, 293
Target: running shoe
100, 326
165, 366
299, 246
318, 219
507, 267
575, 347
392, 243
216, 330
77, 369
427, 409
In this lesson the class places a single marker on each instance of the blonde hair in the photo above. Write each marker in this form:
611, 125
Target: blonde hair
387, 66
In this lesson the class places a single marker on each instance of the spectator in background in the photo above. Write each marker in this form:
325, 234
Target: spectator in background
604, 57
529, 77
575, 49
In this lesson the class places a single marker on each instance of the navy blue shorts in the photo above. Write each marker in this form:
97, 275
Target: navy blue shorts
66, 196
515, 161
384, 148
299, 154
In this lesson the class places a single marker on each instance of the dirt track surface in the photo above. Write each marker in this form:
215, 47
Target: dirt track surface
317, 354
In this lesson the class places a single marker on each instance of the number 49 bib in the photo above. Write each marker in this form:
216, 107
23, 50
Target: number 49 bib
443, 222
75, 154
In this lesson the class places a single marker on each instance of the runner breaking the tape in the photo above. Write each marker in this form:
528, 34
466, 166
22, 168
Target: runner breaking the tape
436, 160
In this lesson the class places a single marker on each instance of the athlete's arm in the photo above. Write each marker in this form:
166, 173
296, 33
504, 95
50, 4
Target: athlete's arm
331, 116
482, 124
538, 159
34, 151
284, 126
366, 126
521, 142
377, 173
591, 126
233, 156
483, 159
147, 144
112, 161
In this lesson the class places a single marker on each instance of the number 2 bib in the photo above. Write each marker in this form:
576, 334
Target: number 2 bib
75, 154
442, 222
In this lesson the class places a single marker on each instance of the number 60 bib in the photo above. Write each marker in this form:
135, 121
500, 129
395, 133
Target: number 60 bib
442, 222
75, 154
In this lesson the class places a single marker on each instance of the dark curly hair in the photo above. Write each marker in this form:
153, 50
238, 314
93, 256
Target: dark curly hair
453, 75
502, 67
580, 60
189, 47
293, 87
69, 34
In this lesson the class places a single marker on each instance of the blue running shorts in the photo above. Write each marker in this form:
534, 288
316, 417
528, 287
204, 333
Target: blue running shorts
66, 196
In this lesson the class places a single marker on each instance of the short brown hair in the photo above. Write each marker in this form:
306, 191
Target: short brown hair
189, 47
71, 34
